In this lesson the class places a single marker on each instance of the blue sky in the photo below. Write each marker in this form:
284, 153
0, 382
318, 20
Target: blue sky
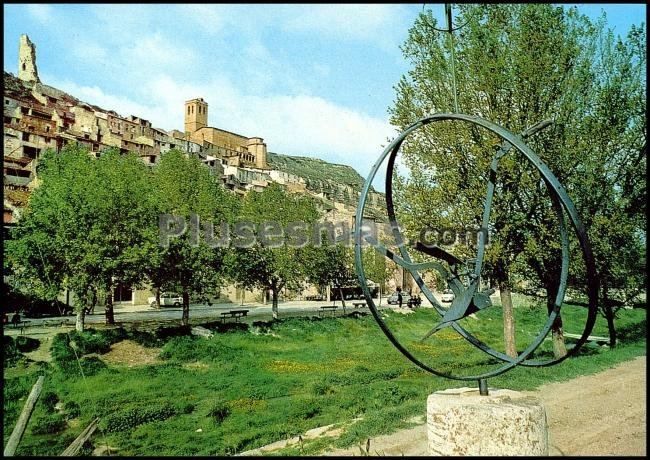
312, 80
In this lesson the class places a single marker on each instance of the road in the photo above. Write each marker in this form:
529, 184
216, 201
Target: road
127, 313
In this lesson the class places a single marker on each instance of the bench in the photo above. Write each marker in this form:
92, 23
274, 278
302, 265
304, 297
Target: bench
358, 304
325, 308
56, 322
233, 314
591, 338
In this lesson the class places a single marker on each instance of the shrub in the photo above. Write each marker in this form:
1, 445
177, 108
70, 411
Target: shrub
67, 347
219, 411
176, 331
49, 400
71, 410
113, 335
145, 338
26, 344
187, 408
48, 424
321, 388
128, 419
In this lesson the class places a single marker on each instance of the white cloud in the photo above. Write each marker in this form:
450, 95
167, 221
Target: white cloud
345, 21
89, 51
96, 96
211, 18
41, 12
294, 125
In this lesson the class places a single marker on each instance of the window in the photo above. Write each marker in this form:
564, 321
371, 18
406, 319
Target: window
25, 137
188, 109
31, 152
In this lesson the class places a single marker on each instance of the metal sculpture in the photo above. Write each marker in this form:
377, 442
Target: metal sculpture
468, 298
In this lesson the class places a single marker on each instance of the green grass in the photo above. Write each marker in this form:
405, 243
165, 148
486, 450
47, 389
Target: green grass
243, 389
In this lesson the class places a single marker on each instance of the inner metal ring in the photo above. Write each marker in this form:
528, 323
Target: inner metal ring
560, 200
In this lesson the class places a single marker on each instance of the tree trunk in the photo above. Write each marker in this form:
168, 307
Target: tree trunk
158, 297
328, 292
186, 308
508, 319
609, 315
93, 301
81, 315
274, 308
108, 309
503, 282
379, 304
342, 297
557, 331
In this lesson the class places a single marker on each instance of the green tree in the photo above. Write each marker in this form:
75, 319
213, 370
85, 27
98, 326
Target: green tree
515, 65
269, 252
190, 259
125, 209
615, 134
377, 267
330, 264
82, 228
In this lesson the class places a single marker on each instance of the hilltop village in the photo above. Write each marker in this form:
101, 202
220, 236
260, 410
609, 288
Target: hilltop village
39, 117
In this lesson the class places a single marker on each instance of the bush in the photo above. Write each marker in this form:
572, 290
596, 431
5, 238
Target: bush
146, 338
67, 347
26, 344
306, 409
321, 388
48, 424
71, 410
49, 400
113, 335
219, 411
127, 419
187, 408
176, 331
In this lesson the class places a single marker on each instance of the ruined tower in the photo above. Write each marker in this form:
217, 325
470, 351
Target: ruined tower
196, 115
27, 60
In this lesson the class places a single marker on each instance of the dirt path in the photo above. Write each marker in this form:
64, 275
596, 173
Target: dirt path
595, 415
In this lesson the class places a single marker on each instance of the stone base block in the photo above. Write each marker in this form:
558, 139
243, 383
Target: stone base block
462, 422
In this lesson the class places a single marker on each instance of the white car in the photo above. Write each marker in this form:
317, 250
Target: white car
166, 299
447, 296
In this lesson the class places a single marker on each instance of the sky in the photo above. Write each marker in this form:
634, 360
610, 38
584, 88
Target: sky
312, 80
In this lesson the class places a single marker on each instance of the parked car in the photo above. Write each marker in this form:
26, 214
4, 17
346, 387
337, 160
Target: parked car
39, 308
166, 299
447, 296
392, 299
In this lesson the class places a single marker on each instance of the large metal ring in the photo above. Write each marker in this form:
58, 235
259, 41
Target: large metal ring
561, 203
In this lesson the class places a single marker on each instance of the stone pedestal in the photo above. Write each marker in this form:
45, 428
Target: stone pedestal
462, 422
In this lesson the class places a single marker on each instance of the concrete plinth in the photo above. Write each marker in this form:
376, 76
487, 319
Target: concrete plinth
462, 422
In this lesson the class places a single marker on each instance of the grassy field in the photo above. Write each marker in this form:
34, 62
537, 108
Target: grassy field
249, 386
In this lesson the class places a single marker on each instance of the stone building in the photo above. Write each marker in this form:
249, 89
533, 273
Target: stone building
237, 149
